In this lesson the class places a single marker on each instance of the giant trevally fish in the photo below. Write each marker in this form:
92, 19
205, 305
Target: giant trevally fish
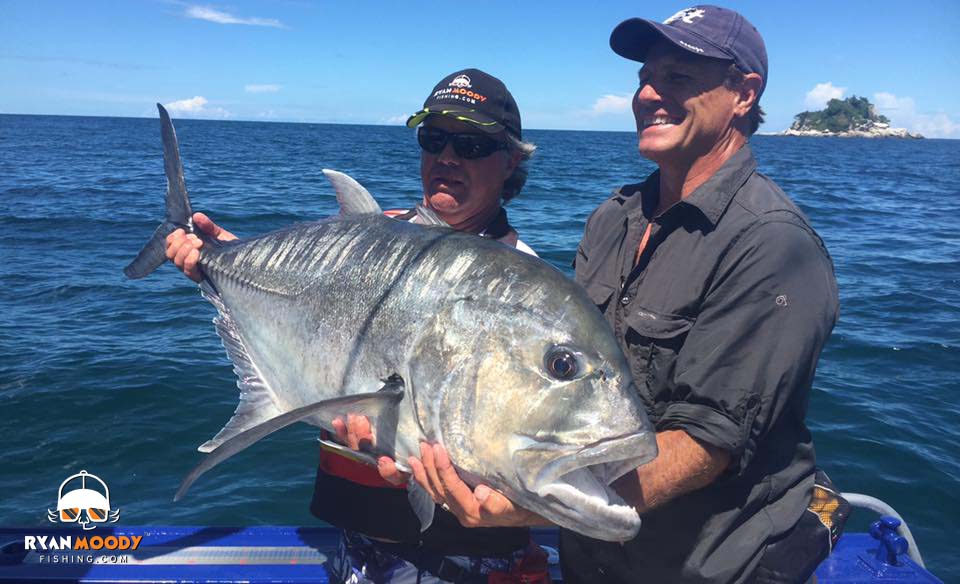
437, 336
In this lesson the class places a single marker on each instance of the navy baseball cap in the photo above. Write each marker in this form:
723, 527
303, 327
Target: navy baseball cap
474, 97
708, 31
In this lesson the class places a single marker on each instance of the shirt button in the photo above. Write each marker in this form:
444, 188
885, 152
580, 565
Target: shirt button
625, 300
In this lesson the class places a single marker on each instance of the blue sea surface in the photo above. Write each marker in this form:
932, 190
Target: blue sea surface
125, 378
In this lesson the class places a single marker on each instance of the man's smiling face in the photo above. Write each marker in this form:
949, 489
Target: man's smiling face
682, 108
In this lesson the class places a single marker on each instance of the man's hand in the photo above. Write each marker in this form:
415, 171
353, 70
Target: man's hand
355, 432
183, 249
480, 507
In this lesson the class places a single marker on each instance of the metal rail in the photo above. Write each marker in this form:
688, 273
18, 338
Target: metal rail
878, 506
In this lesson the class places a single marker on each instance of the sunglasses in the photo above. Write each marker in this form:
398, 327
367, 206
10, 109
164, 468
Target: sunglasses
72, 514
467, 146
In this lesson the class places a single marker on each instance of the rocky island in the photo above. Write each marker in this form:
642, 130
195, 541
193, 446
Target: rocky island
854, 117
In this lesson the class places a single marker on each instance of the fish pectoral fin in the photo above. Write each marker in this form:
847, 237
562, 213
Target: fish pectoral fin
427, 216
378, 401
354, 199
368, 404
422, 504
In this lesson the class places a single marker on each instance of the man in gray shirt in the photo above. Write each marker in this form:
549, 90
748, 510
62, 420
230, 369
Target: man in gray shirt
722, 296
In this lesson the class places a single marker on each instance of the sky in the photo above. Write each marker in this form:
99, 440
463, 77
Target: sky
375, 62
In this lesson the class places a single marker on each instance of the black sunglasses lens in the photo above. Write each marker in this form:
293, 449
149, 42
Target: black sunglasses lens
474, 145
468, 146
431, 140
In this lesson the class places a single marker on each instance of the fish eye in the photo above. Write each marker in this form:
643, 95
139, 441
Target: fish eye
561, 362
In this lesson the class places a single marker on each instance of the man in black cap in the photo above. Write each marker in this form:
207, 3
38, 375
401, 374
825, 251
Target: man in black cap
472, 162
722, 296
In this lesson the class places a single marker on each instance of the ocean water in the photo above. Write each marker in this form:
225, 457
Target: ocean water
125, 379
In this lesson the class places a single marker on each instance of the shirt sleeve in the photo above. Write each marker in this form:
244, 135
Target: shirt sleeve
750, 356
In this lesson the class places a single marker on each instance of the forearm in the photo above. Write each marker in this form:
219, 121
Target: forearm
682, 466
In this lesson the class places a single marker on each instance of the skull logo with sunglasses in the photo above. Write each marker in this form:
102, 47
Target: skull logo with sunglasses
83, 505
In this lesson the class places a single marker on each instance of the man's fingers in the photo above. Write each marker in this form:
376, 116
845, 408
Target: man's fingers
181, 254
186, 256
340, 429
207, 225
353, 440
459, 497
360, 431
420, 475
174, 241
190, 264
389, 472
492, 502
430, 466
364, 431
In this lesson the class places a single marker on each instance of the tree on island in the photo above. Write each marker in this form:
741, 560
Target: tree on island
840, 115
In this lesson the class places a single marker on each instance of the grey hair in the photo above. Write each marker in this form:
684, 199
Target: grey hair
514, 183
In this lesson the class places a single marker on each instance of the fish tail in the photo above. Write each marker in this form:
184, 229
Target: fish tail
179, 215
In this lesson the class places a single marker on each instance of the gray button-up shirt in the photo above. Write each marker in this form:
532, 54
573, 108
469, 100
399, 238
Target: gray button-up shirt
722, 318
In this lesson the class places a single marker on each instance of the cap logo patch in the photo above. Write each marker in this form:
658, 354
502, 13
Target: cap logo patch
460, 90
687, 15
460, 81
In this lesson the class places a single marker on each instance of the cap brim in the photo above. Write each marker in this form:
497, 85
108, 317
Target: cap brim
461, 114
633, 38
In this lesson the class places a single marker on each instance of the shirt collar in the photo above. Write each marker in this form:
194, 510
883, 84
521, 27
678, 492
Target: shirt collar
713, 197
498, 227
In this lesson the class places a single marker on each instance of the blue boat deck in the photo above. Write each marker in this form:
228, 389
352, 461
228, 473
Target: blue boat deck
298, 554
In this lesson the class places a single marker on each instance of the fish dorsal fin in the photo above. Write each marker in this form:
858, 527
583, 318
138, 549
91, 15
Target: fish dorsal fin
427, 216
354, 199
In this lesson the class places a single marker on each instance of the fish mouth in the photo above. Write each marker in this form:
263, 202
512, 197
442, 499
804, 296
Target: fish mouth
577, 489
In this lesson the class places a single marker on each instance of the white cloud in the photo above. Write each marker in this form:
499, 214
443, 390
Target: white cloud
818, 97
396, 120
903, 113
611, 104
262, 88
220, 17
195, 107
891, 103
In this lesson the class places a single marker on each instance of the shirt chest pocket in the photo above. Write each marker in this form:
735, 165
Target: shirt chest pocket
600, 293
654, 341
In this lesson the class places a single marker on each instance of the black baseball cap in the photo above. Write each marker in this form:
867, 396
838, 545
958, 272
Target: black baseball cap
708, 31
474, 97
